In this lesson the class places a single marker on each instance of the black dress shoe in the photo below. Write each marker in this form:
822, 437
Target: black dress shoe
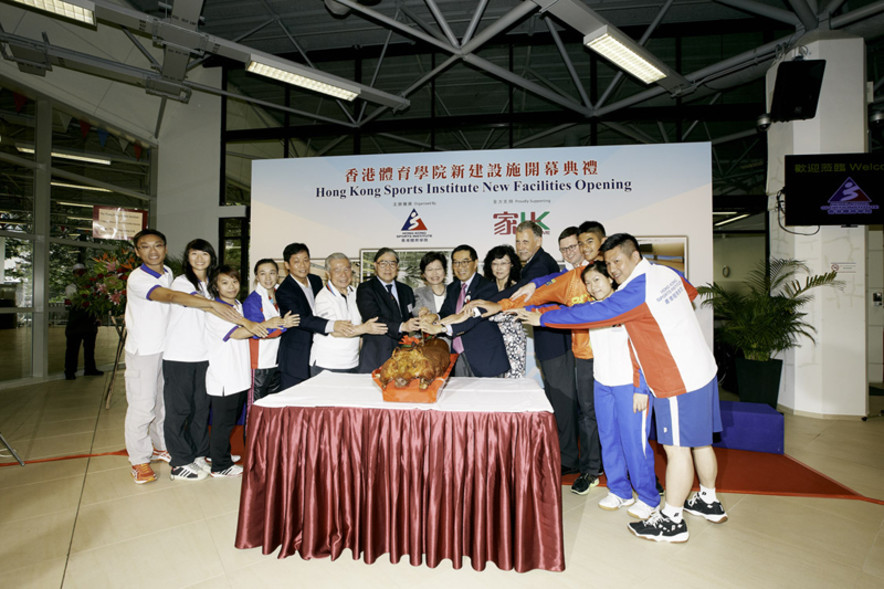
70, 377
93, 373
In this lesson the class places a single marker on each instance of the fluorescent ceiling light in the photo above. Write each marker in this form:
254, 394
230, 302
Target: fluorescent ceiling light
296, 75
79, 187
624, 53
68, 156
73, 204
732, 219
79, 10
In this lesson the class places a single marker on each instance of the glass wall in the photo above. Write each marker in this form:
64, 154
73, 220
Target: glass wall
91, 171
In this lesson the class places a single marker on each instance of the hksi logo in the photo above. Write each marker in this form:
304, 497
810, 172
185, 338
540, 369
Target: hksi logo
505, 223
414, 222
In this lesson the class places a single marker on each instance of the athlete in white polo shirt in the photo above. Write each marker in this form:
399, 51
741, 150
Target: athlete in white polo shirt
146, 322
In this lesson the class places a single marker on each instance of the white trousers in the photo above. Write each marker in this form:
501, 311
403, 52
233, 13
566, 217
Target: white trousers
146, 412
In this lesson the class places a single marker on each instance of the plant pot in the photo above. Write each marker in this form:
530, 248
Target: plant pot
759, 382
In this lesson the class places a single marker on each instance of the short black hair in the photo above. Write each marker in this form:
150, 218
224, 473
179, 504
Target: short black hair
498, 252
431, 257
568, 232
384, 251
145, 233
592, 227
223, 269
601, 268
465, 248
292, 249
625, 241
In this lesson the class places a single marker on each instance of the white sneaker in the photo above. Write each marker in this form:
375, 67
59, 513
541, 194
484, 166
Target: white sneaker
233, 458
203, 463
612, 502
230, 471
641, 510
160, 455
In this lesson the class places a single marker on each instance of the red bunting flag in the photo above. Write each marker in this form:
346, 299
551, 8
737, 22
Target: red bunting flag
20, 101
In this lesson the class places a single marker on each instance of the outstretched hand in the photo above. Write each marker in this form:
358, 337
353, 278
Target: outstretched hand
228, 313
526, 316
372, 327
488, 308
344, 328
429, 324
525, 292
254, 328
291, 320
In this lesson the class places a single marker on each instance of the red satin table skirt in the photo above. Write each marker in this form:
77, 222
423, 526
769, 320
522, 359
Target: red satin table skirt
427, 484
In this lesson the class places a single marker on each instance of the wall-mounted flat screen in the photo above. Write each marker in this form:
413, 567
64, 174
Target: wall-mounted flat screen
835, 189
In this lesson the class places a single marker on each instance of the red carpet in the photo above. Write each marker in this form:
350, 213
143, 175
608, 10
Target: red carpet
739, 471
758, 473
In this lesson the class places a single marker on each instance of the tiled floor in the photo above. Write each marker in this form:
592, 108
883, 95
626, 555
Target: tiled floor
83, 523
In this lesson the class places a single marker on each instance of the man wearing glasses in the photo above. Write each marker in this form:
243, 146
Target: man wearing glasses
477, 341
391, 302
569, 247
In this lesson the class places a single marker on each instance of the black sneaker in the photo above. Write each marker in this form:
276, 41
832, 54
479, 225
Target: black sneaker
188, 472
660, 528
713, 512
584, 483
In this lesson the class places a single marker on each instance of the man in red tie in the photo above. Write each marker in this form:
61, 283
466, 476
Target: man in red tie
478, 341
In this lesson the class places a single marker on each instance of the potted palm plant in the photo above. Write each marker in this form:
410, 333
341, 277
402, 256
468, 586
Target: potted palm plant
763, 318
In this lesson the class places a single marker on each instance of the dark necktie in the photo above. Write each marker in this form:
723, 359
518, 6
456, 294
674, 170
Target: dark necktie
457, 344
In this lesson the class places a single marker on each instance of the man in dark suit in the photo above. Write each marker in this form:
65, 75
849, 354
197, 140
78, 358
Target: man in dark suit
392, 302
477, 340
552, 347
297, 294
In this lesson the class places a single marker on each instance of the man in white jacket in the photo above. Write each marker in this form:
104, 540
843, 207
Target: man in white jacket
337, 301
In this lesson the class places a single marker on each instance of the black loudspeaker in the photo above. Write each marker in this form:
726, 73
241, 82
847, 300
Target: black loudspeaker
797, 89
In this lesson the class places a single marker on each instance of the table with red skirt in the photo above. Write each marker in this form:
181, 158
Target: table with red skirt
331, 466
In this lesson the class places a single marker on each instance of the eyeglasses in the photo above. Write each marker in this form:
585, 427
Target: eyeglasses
569, 248
461, 263
387, 264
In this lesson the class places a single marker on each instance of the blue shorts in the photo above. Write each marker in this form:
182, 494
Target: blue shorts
688, 420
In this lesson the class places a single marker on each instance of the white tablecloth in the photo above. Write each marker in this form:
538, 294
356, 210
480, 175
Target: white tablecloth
331, 389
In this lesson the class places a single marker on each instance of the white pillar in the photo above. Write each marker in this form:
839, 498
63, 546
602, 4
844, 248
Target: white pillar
826, 379
189, 164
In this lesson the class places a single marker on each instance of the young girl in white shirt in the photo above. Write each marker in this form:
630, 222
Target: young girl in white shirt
228, 377
259, 306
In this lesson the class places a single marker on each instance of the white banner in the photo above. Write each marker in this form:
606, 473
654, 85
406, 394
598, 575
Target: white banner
436, 201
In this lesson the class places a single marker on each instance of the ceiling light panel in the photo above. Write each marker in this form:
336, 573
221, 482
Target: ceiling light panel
624, 53
291, 75
78, 10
